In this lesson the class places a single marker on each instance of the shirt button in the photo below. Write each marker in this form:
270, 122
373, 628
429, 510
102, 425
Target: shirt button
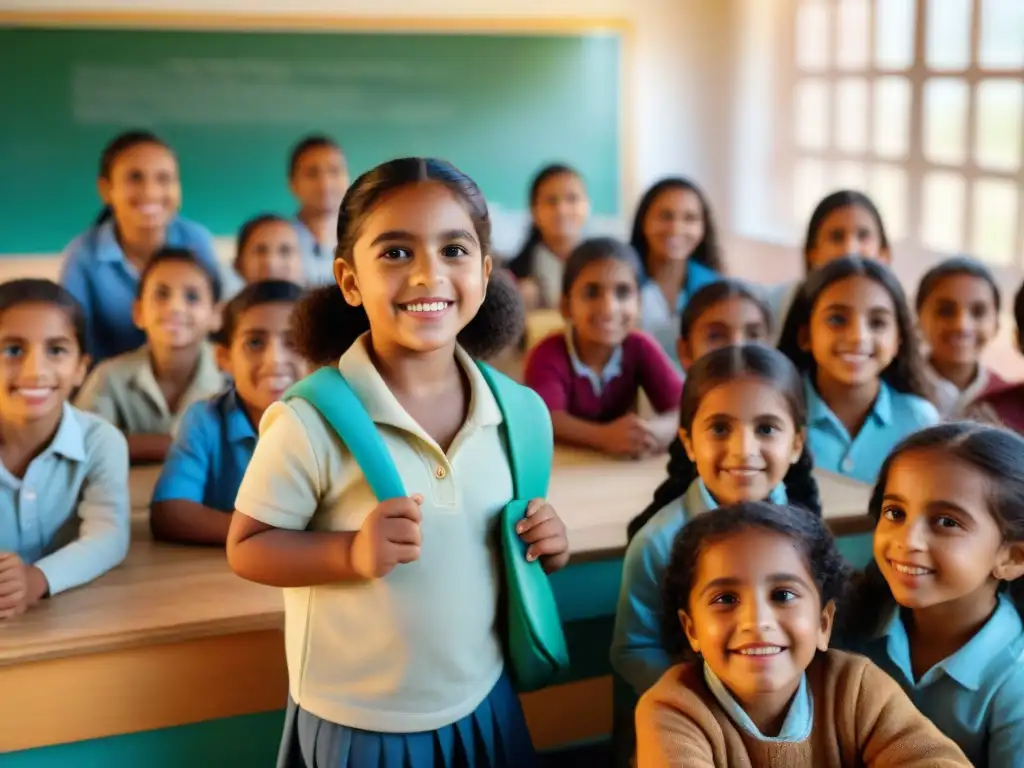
440, 472
847, 465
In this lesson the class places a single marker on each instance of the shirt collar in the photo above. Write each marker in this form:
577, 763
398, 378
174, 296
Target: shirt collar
69, 441
796, 726
236, 421
207, 376
966, 666
598, 380
699, 499
819, 413
107, 247
383, 407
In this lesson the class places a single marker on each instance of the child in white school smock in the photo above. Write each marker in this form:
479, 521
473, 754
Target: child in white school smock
393, 648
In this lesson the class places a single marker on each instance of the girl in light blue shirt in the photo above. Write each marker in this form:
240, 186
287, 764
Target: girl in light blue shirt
742, 438
939, 609
851, 334
141, 192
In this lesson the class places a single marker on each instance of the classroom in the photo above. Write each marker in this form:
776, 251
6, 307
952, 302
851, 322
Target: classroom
736, 399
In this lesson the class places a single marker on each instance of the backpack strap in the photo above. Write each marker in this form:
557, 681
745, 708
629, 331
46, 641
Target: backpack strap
328, 392
528, 433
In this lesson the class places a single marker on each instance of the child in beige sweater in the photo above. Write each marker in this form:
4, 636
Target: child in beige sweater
752, 590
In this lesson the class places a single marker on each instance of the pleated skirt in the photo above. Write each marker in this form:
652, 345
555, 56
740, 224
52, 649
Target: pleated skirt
492, 736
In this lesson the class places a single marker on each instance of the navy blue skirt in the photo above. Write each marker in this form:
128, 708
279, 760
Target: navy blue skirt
492, 736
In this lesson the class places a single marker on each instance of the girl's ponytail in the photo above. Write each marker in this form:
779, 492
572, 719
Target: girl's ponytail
801, 487
521, 265
326, 325
681, 473
106, 212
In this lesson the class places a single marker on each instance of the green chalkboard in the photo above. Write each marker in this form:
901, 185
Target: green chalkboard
232, 103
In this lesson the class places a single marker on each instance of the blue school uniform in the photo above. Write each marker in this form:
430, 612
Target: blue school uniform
207, 461
96, 272
317, 259
893, 416
637, 653
976, 696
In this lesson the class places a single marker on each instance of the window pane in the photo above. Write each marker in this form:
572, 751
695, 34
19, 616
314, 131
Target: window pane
852, 50
1002, 34
849, 174
945, 120
808, 188
811, 113
812, 38
894, 34
948, 32
995, 221
892, 116
942, 213
851, 114
888, 188
999, 126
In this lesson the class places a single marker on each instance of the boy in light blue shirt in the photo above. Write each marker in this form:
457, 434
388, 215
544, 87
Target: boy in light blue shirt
216, 438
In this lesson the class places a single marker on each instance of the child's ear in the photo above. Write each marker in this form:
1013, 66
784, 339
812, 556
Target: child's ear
345, 276
223, 356
103, 190
137, 314
828, 618
81, 370
691, 635
684, 438
803, 338
1009, 562
683, 353
799, 440
563, 307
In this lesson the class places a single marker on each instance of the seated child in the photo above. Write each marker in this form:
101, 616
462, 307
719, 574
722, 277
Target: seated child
1002, 402
958, 312
743, 426
935, 609
722, 314
196, 491
751, 591
64, 509
268, 249
850, 333
144, 392
591, 375
318, 178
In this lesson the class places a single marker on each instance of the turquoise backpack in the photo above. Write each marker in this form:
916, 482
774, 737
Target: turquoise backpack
535, 646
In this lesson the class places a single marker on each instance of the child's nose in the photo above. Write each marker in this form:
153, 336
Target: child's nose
743, 443
33, 363
912, 535
757, 613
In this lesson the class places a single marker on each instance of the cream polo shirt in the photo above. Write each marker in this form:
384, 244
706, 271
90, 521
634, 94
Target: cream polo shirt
124, 391
417, 649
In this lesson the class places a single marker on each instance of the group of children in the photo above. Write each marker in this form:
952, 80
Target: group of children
393, 645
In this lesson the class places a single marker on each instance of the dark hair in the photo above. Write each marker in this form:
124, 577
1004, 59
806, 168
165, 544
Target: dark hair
254, 295
999, 454
905, 373
1018, 315
113, 150
713, 293
521, 265
707, 251
844, 198
326, 325
598, 249
808, 532
31, 290
712, 370
313, 141
955, 266
181, 256
249, 229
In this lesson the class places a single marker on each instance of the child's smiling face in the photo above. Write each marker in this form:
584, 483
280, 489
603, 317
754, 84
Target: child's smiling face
143, 188
755, 616
674, 225
176, 308
958, 319
272, 253
603, 302
732, 321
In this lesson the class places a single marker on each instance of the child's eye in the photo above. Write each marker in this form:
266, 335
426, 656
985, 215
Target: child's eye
837, 236
893, 514
162, 292
865, 234
623, 292
726, 599
58, 350
396, 254
879, 323
767, 430
943, 521
454, 251
782, 595
192, 296
835, 320
755, 333
718, 428
11, 351
254, 344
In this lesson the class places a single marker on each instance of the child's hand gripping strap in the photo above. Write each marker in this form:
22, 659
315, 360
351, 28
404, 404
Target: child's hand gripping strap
536, 642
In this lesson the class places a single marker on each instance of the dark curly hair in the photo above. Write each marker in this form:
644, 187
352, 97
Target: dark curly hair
997, 453
707, 252
31, 290
843, 198
906, 371
830, 571
326, 325
716, 368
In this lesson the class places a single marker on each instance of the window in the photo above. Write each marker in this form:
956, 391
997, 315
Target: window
921, 104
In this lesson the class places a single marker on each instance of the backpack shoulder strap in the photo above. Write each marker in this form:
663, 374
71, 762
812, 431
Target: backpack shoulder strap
527, 430
328, 392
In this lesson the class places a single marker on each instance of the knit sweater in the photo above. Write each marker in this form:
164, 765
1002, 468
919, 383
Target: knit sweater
861, 718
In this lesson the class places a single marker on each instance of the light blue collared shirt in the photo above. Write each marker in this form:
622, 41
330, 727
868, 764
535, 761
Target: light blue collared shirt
208, 459
637, 653
597, 380
975, 696
662, 321
317, 259
893, 416
96, 272
69, 514
795, 727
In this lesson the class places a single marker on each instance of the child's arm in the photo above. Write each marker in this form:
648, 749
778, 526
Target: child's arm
892, 733
663, 386
668, 737
103, 509
637, 653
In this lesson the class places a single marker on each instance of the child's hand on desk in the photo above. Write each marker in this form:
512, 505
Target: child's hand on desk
543, 530
629, 436
390, 535
21, 585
